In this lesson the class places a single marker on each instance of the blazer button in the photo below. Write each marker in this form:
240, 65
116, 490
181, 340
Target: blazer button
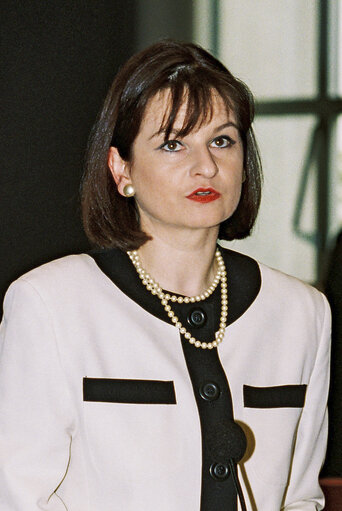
209, 391
196, 318
219, 471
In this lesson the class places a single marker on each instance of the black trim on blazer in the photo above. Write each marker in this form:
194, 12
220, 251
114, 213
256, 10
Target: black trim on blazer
243, 274
108, 390
281, 396
204, 366
215, 415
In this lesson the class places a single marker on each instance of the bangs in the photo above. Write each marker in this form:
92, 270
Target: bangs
198, 96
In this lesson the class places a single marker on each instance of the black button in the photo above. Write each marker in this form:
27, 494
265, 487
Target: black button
196, 318
209, 391
219, 471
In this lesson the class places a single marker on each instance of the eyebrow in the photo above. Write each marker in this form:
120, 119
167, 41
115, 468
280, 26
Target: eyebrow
226, 125
217, 129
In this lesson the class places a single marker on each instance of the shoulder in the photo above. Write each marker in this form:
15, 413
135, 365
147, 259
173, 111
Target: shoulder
287, 287
293, 301
278, 294
64, 269
271, 280
54, 278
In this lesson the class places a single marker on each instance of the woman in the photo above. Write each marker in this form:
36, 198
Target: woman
124, 372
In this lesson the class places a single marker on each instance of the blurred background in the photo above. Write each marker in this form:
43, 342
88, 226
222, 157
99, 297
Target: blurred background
58, 59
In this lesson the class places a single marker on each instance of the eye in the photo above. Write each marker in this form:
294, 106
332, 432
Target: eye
171, 146
222, 141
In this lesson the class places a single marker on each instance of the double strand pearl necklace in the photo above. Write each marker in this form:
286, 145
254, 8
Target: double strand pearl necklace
153, 286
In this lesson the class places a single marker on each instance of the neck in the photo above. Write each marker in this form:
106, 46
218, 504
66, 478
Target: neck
182, 264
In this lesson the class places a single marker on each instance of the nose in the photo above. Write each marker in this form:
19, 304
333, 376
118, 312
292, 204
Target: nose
204, 163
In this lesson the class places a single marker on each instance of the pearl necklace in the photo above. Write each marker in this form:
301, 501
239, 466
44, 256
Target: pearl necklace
155, 289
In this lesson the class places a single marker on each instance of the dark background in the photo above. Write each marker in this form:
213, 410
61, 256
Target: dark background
58, 59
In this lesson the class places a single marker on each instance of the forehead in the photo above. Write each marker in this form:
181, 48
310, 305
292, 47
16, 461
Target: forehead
158, 109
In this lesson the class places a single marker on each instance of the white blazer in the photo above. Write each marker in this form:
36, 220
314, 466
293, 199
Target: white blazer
67, 321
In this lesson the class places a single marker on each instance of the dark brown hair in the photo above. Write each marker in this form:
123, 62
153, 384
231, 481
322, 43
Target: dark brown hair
187, 71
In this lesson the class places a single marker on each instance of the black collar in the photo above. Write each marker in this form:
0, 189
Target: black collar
243, 274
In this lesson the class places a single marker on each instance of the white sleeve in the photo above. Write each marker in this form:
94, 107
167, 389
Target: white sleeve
304, 492
36, 418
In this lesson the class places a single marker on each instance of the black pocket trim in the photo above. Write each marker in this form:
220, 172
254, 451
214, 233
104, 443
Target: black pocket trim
109, 390
282, 396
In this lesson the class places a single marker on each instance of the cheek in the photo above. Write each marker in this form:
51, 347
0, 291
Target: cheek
149, 189
154, 179
141, 177
234, 174
145, 170
234, 197
233, 189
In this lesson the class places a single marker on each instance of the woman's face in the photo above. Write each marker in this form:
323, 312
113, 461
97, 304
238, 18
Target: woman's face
192, 182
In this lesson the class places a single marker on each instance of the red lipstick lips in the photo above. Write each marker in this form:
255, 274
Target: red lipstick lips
204, 195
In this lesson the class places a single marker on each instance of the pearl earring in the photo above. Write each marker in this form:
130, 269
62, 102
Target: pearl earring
128, 190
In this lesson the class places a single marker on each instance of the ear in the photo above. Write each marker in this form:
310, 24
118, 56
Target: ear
119, 169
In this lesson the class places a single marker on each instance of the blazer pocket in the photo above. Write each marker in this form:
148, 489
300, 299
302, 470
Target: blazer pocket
281, 396
109, 390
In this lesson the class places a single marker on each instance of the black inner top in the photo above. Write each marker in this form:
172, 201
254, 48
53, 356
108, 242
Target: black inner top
209, 381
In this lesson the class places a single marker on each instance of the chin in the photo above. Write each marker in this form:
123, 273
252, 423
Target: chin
204, 225
210, 220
